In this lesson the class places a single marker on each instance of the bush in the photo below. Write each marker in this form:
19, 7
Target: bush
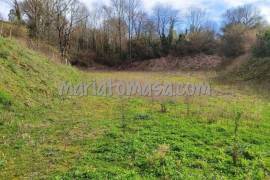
15, 30
181, 47
4, 54
110, 58
83, 58
143, 49
262, 47
203, 42
196, 43
233, 41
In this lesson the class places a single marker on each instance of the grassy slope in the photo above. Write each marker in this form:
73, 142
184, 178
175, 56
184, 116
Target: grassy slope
256, 69
251, 69
43, 135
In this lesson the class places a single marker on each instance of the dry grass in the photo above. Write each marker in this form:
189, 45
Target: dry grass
20, 33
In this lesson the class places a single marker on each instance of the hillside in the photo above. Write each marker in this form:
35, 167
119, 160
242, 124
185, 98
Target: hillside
195, 62
255, 69
248, 71
47, 136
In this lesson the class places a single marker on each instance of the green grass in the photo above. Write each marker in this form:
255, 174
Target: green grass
45, 136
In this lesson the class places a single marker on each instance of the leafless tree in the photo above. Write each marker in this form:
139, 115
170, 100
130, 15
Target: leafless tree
246, 15
15, 6
68, 13
196, 19
141, 20
164, 16
47, 28
210, 26
132, 10
1, 17
33, 9
118, 7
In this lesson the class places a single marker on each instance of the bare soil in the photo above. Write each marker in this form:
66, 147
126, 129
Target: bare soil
197, 62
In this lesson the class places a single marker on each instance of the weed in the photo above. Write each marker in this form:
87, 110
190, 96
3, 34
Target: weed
2, 163
12, 67
162, 151
5, 99
142, 117
5, 118
163, 107
123, 114
4, 54
187, 101
235, 149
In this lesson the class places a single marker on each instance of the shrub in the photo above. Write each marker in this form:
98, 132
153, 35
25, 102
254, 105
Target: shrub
15, 30
110, 56
143, 49
203, 42
83, 58
142, 117
181, 47
4, 54
196, 43
233, 41
262, 47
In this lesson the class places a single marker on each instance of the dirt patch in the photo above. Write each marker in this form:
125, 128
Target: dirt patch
197, 62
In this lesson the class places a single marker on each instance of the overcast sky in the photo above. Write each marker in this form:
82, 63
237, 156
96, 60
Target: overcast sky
215, 8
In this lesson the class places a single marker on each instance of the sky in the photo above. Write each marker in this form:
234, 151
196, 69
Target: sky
215, 8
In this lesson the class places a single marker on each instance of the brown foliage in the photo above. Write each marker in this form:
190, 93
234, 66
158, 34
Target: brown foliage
237, 40
14, 30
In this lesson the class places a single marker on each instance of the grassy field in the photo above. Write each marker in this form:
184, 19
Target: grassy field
47, 136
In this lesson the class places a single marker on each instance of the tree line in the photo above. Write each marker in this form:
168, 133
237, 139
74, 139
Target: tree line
122, 31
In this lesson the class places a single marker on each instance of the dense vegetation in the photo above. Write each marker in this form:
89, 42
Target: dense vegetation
45, 135
122, 31
262, 48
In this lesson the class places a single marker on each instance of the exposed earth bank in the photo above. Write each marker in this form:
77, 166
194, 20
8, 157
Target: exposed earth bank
196, 62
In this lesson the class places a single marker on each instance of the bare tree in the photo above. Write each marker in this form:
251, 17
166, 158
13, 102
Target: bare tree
15, 6
196, 19
211, 26
118, 10
33, 9
68, 13
132, 10
246, 15
164, 17
47, 28
140, 22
